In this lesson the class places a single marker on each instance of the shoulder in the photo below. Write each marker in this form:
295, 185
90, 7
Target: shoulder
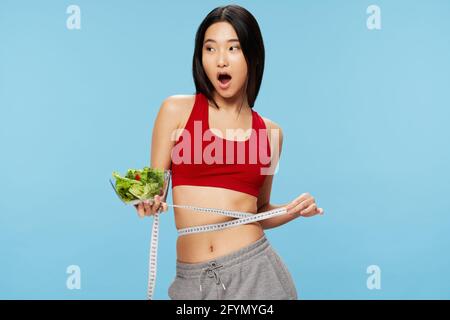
273, 129
178, 103
176, 107
270, 124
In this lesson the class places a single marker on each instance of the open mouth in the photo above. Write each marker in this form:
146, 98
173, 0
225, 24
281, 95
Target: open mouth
224, 78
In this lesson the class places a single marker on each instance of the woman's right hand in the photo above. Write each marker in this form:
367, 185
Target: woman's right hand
146, 208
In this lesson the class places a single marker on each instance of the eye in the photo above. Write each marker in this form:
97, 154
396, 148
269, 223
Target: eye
207, 48
237, 47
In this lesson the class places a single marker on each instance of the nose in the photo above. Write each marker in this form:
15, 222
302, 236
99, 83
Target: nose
222, 59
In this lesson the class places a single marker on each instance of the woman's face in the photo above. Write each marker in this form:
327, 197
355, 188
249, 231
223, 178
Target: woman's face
222, 53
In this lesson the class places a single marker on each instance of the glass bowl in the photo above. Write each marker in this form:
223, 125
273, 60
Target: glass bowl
162, 192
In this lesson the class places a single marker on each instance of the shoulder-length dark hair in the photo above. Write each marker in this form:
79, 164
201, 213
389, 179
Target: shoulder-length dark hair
250, 38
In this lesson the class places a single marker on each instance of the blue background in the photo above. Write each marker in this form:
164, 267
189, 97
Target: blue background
364, 114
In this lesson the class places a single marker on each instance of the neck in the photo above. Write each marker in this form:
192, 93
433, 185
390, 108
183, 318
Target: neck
233, 105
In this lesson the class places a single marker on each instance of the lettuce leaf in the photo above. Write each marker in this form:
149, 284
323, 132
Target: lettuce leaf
139, 184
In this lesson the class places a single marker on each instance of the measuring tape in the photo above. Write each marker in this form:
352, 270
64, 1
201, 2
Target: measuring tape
242, 218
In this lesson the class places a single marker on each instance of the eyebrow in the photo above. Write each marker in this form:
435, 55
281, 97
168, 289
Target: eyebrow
230, 40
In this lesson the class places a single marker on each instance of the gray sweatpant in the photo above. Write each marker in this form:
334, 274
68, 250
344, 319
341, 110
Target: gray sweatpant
252, 272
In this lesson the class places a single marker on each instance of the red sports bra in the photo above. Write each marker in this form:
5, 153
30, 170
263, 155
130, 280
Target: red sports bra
201, 158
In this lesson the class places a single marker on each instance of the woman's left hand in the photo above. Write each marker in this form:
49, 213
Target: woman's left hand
305, 206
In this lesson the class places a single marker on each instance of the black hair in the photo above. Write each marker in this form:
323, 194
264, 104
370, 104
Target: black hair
250, 38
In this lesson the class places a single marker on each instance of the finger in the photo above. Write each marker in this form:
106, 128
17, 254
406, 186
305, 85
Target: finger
147, 209
310, 211
156, 204
301, 206
298, 200
140, 209
165, 207
297, 208
319, 211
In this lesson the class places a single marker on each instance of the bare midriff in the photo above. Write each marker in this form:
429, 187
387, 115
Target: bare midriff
204, 246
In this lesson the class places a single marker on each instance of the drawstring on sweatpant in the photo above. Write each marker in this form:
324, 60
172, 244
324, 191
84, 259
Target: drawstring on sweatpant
212, 272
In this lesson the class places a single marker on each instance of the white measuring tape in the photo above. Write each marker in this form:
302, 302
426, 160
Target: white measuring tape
242, 218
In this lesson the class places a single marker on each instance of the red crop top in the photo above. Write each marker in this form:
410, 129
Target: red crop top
201, 158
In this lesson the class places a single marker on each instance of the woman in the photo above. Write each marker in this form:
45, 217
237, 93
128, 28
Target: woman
237, 262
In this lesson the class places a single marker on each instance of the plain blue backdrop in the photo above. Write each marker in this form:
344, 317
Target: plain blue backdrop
365, 117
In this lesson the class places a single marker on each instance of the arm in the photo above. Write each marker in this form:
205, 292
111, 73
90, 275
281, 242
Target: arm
264, 193
166, 123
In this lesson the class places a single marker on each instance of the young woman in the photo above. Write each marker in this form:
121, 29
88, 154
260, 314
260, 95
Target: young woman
237, 262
